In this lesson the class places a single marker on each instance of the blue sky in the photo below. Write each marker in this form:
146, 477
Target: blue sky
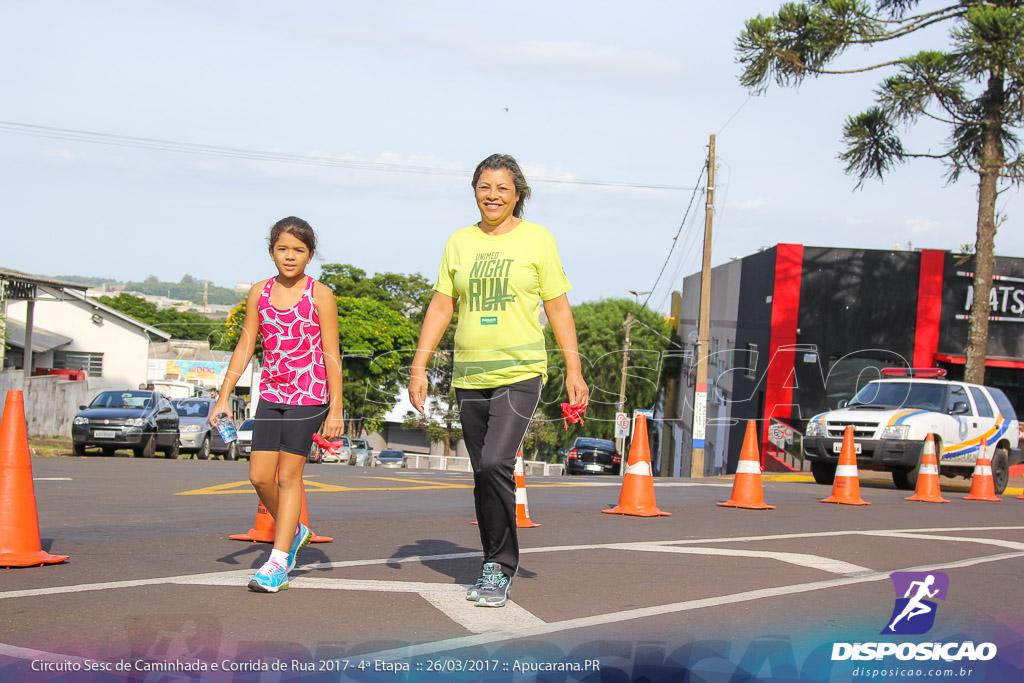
606, 91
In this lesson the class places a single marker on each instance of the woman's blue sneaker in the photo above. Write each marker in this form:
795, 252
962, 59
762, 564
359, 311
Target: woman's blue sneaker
271, 578
298, 543
474, 591
496, 589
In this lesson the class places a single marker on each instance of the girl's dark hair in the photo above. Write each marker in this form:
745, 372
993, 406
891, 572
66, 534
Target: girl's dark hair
496, 161
293, 226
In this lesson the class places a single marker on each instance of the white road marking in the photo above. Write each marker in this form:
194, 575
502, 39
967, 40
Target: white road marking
451, 644
52, 479
492, 626
825, 564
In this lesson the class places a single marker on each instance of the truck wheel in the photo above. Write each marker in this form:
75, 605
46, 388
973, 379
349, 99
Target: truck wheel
905, 478
1000, 468
824, 472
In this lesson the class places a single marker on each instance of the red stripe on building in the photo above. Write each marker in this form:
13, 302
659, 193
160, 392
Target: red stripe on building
989, 362
929, 308
778, 398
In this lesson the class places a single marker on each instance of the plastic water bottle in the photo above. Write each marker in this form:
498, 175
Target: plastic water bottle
226, 428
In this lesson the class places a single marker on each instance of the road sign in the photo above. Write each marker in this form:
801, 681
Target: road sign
621, 425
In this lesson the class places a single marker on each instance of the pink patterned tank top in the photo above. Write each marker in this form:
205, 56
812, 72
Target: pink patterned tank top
293, 353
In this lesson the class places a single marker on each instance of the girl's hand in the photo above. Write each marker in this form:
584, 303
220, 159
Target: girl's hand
221, 406
579, 393
333, 427
418, 389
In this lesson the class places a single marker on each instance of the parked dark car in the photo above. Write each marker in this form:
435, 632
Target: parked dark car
592, 456
143, 421
197, 435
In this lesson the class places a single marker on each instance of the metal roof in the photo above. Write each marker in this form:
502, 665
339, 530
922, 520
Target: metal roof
42, 340
9, 274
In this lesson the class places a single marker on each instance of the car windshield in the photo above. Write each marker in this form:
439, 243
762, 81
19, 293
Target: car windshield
193, 408
390, 454
358, 443
122, 399
247, 425
595, 443
920, 395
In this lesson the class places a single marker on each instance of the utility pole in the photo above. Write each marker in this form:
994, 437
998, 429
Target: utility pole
700, 392
620, 443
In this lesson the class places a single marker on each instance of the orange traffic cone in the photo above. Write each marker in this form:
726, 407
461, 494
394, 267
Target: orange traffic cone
637, 495
983, 486
927, 490
846, 489
263, 528
746, 487
20, 545
523, 520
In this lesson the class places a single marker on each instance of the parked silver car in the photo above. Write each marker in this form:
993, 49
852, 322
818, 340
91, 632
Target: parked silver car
197, 436
361, 452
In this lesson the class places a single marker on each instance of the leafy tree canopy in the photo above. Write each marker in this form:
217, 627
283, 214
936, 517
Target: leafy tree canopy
601, 335
407, 294
178, 324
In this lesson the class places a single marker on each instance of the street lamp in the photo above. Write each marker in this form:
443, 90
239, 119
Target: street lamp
636, 294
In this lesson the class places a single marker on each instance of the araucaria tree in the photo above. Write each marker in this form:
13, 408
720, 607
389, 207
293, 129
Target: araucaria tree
974, 86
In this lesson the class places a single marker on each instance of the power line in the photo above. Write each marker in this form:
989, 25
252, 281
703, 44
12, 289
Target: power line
93, 137
678, 232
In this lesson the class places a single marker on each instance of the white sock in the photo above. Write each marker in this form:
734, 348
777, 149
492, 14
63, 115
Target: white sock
279, 556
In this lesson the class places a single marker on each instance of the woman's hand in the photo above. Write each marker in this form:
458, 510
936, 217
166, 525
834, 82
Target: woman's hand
333, 427
576, 387
418, 389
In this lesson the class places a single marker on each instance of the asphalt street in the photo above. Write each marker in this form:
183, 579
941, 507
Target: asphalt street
154, 589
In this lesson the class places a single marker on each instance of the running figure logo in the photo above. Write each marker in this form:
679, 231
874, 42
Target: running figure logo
914, 613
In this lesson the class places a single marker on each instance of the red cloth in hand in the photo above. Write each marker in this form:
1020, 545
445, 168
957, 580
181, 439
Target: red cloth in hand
572, 412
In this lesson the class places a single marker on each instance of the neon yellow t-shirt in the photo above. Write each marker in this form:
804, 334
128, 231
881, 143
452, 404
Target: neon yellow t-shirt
499, 281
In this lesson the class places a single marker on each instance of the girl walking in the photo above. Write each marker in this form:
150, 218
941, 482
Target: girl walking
499, 270
296, 320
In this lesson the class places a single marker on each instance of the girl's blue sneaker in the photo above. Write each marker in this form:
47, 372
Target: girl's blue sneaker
298, 543
271, 578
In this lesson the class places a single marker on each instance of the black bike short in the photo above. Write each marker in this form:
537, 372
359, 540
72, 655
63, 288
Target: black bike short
282, 427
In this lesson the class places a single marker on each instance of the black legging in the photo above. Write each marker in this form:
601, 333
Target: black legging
494, 422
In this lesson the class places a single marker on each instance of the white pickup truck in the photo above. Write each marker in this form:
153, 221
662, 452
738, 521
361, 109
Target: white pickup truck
892, 416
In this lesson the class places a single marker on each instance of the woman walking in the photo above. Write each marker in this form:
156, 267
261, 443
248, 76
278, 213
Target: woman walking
498, 269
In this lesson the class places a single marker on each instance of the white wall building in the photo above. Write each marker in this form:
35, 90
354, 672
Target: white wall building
111, 347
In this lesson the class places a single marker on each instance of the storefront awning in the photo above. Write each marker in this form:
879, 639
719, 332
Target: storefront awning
1015, 363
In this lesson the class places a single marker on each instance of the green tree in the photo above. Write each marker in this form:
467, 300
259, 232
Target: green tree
377, 345
601, 335
407, 294
974, 85
178, 324
542, 439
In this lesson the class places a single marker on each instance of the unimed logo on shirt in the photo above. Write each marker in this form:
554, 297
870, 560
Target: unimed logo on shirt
488, 284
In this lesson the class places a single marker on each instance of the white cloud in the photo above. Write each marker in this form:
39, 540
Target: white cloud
749, 205
919, 226
64, 155
600, 58
856, 221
